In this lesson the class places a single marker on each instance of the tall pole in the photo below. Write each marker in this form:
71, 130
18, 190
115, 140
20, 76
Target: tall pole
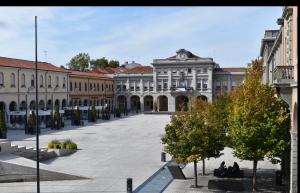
36, 109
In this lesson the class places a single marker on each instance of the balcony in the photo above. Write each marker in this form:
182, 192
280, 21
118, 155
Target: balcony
283, 76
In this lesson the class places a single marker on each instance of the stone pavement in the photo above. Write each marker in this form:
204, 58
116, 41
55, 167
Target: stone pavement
110, 152
209, 183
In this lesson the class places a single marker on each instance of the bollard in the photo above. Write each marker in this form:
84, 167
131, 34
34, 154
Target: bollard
163, 157
129, 185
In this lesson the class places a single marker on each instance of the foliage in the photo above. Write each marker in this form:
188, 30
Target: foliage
93, 114
155, 106
3, 128
77, 117
258, 120
32, 123
56, 117
66, 144
103, 63
79, 62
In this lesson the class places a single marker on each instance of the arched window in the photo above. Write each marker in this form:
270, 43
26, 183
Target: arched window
49, 82
85, 86
75, 86
13, 80
57, 81
98, 87
23, 80
41, 81
71, 86
32, 81
79, 86
1, 79
64, 82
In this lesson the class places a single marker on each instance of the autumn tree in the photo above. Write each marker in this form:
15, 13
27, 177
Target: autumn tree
258, 122
79, 62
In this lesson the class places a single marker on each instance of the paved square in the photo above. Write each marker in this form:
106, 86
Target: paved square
110, 152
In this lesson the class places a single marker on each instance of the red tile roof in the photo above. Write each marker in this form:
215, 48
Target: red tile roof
91, 74
141, 69
20, 63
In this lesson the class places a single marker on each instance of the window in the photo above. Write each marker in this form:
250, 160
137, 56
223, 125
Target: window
23, 80
49, 82
124, 87
98, 87
102, 87
151, 86
224, 86
189, 70
64, 82
174, 83
85, 86
12, 80
91, 86
189, 83
71, 86
165, 84
165, 72
199, 84
41, 81
199, 71
233, 85
204, 84
145, 86
57, 81
32, 81
204, 70
75, 86
131, 85
174, 71
218, 85
159, 86
94, 89
79, 86
1, 79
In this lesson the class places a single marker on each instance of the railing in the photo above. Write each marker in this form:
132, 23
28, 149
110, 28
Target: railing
283, 75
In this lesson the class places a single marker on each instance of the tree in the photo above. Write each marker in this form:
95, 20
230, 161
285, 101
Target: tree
189, 137
258, 122
79, 62
3, 128
103, 63
32, 123
93, 114
77, 116
56, 118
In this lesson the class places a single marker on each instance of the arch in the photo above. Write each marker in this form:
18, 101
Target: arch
2, 106
64, 103
135, 103
23, 106
56, 103
148, 103
85, 102
41, 104
1, 79
49, 104
202, 97
181, 103
32, 105
295, 117
23, 80
122, 102
162, 104
79, 103
12, 106
32, 80
41, 81
49, 81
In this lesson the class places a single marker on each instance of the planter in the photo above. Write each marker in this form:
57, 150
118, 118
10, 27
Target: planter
63, 152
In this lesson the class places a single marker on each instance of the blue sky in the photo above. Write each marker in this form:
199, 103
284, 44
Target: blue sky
231, 35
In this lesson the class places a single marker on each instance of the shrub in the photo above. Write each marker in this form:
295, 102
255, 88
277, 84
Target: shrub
66, 144
72, 146
54, 144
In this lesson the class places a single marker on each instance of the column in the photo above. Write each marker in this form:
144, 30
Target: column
154, 81
169, 78
142, 85
294, 164
142, 103
209, 86
229, 84
194, 81
134, 86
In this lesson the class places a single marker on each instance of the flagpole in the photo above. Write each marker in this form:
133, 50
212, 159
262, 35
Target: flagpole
36, 109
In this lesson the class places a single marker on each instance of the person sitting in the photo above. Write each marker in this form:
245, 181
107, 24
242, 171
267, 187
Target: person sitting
235, 168
222, 169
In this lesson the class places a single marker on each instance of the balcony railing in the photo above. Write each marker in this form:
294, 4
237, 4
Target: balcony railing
283, 75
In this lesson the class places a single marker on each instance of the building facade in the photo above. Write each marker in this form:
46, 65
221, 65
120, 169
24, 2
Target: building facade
173, 82
279, 51
17, 90
90, 88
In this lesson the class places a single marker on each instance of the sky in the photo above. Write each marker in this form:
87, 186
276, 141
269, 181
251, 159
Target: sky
230, 35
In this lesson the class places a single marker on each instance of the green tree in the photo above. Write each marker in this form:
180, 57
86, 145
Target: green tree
79, 62
3, 128
32, 123
56, 117
77, 116
99, 63
258, 122
93, 113
114, 63
189, 137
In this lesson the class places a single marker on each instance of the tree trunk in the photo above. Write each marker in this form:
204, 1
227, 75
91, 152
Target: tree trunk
254, 175
195, 173
203, 167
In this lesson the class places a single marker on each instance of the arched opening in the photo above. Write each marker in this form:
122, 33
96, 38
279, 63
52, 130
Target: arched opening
71, 103
23, 106
148, 103
49, 104
32, 105
121, 102
135, 104
202, 97
13, 106
79, 103
181, 103
85, 102
2, 106
63, 103
41, 105
56, 103
162, 104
